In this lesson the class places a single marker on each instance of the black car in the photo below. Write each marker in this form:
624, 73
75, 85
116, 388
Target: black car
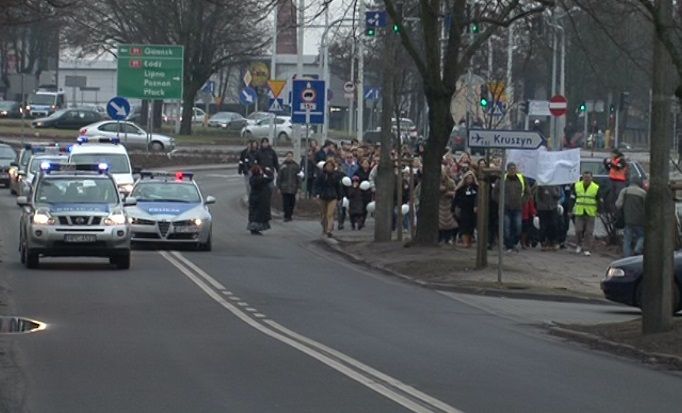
10, 109
227, 120
68, 119
601, 174
7, 157
623, 282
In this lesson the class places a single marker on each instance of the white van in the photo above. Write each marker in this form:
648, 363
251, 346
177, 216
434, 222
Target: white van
110, 152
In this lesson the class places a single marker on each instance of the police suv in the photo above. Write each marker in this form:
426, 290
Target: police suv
170, 209
105, 150
74, 211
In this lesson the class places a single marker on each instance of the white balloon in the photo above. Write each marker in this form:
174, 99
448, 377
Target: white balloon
536, 222
406, 170
371, 207
320, 164
345, 202
405, 209
560, 209
346, 181
365, 185
300, 174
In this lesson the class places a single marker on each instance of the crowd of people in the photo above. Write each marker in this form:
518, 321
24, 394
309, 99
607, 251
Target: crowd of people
342, 178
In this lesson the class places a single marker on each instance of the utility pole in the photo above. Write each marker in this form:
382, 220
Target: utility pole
351, 101
361, 73
509, 90
657, 282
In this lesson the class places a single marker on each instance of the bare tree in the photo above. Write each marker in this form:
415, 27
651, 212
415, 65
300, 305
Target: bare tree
440, 85
214, 33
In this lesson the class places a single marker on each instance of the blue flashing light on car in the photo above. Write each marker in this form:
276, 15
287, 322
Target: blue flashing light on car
45, 166
82, 140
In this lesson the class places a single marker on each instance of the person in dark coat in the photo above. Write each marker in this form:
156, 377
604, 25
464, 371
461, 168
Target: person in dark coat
465, 202
246, 160
266, 157
288, 184
356, 204
259, 200
328, 191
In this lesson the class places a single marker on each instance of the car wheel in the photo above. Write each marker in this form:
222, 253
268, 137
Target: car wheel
122, 262
206, 246
22, 253
32, 259
156, 147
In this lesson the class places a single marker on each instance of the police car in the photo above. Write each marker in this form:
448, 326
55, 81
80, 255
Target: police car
17, 171
33, 170
105, 150
74, 212
170, 209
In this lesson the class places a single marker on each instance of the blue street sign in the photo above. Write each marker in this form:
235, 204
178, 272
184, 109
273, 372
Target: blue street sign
118, 108
209, 87
505, 139
308, 100
376, 18
248, 96
372, 93
276, 105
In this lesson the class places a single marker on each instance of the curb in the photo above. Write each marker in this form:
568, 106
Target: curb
669, 360
490, 291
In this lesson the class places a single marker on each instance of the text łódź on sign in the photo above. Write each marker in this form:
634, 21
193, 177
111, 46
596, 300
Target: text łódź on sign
505, 139
150, 71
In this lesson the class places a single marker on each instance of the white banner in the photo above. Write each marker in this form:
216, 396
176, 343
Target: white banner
547, 168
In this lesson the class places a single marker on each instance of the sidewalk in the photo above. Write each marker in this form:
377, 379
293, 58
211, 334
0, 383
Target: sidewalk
560, 275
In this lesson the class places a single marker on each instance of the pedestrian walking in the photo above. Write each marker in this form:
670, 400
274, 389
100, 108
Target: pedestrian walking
529, 234
586, 203
288, 182
630, 203
356, 204
328, 191
259, 200
516, 193
466, 198
547, 198
247, 158
447, 226
266, 157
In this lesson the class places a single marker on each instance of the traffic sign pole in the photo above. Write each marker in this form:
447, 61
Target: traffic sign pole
500, 217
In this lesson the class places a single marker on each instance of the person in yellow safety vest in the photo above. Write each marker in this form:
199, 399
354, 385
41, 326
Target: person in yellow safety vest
586, 201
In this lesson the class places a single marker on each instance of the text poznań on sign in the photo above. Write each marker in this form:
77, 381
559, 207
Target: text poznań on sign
150, 71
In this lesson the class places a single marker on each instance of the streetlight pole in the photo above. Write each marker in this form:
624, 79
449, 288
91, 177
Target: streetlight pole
361, 73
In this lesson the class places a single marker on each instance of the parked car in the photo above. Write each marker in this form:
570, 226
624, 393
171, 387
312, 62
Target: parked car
261, 129
67, 119
130, 135
8, 156
198, 116
257, 116
227, 120
10, 109
601, 175
623, 281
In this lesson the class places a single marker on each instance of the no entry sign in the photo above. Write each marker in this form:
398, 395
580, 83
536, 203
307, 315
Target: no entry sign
558, 105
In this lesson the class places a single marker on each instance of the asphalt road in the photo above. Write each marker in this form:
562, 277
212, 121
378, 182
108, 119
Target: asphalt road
277, 323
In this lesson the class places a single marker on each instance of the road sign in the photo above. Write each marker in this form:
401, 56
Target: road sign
505, 139
538, 108
372, 93
209, 87
276, 105
349, 87
558, 105
118, 108
150, 71
376, 18
498, 109
276, 87
247, 78
308, 101
248, 96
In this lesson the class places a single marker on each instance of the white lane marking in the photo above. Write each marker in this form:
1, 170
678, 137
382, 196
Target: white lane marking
199, 271
259, 315
365, 380
227, 292
242, 304
251, 309
234, 298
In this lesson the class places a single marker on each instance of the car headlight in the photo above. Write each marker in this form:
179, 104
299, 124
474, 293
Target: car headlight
39, 123
613, 272
115, 219
126, 188
41, 218
197, 221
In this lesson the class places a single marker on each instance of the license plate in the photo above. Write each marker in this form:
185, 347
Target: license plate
185, 229
4, 175
80, 238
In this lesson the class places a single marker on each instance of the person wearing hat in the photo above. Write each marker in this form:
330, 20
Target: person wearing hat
631, 202
328, 192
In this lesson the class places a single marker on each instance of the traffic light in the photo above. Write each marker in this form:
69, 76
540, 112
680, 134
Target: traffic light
370, 31
612, 108
583, 107
485, 96
396, 28
624, 100
523, 106
475, 28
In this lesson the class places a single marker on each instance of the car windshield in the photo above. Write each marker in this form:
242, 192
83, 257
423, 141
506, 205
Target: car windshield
221, 116
118, 164
166, 192
596, 167
6, 105
34, 165
76, 190
7, 153
40, 99
57, 114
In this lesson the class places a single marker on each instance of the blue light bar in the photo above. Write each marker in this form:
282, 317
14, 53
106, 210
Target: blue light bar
45, 166
82, 139
103, 167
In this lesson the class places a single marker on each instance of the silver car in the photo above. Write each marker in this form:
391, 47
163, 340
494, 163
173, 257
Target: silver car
130, 135
74, 213
33, 170
170, 209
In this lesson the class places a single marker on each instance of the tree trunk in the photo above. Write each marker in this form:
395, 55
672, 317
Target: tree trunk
657, 284
157, 112
385, 179
440, 125
187, 112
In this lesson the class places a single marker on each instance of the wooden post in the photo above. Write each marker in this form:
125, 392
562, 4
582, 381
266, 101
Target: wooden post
482, 221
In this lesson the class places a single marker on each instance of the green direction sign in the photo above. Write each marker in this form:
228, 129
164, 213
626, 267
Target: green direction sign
150, 71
